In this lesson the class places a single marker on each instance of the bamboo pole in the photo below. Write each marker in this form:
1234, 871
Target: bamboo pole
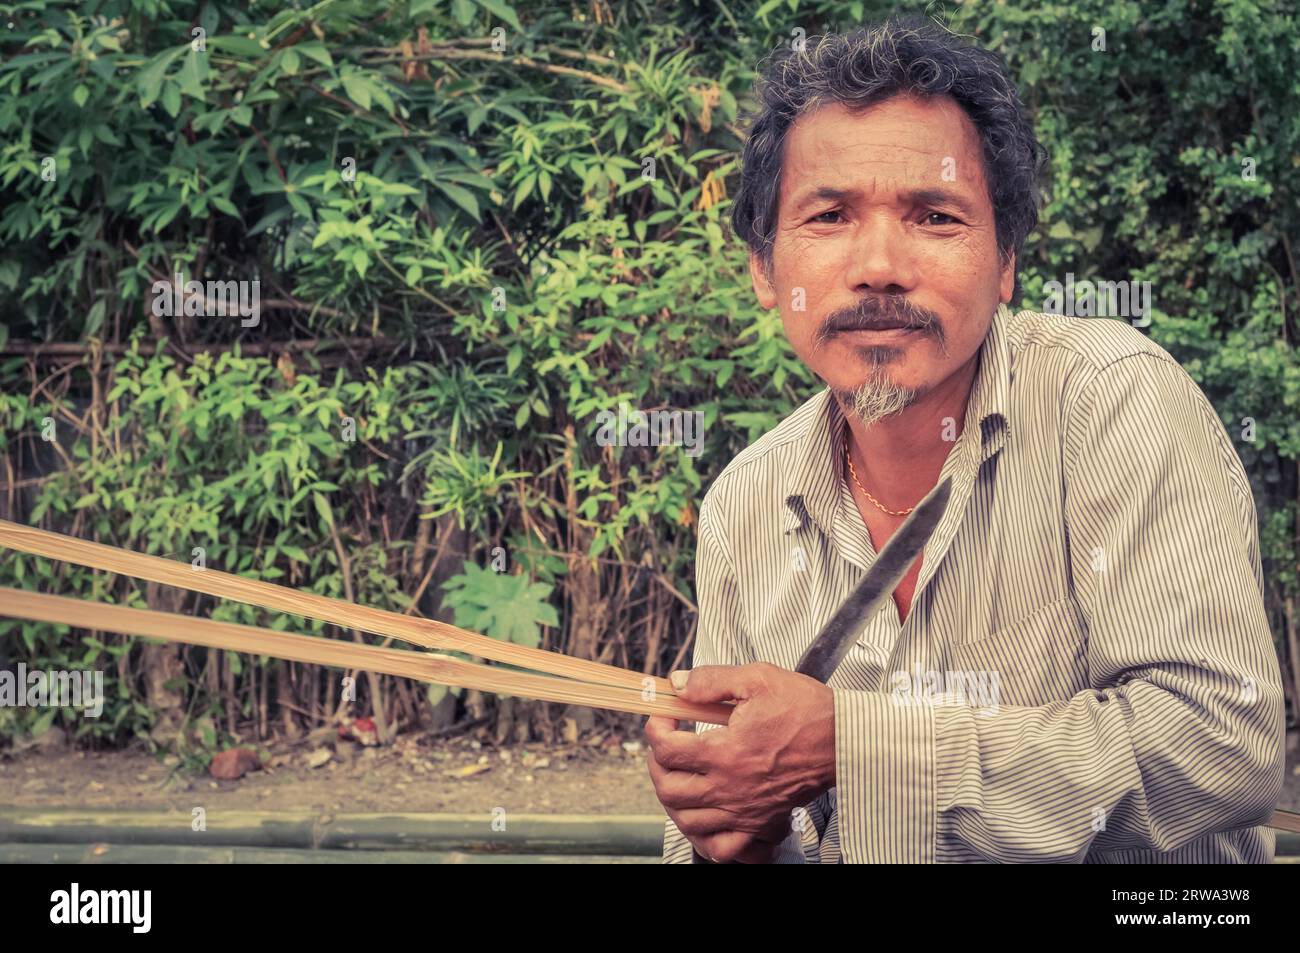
422, 666
356, 831
428, 633
300, 832
101, 853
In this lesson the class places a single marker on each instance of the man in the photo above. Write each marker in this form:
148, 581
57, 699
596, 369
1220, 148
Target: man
1078, 667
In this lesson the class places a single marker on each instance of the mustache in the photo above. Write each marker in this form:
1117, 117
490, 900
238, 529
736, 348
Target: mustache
881, 313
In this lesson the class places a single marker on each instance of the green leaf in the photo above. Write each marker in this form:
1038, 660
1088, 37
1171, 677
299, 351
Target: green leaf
316, 51
150, 79
510, 608
525, 188
463, 11
164, 218
323, 508
95, 317
80, 94
189, 78
462, 197
357, 88
299, 204
43, 722
382, 98
223, 204
242, 46
171, 99
504, 11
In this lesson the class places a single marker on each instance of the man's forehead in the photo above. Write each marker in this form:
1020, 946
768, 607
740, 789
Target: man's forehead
905, 141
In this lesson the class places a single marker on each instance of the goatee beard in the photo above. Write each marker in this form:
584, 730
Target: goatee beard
877, 398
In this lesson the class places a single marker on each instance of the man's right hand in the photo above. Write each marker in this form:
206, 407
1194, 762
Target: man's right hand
737, 847
715, 843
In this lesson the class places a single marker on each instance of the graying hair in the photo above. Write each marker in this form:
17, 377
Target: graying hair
876, 398
901, 56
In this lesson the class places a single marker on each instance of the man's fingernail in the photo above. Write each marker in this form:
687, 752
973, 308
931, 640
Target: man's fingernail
679, 678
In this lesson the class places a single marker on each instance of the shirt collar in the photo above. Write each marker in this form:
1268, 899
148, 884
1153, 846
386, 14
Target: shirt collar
813, 490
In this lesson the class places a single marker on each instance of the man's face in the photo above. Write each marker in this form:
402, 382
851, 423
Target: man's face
886, 266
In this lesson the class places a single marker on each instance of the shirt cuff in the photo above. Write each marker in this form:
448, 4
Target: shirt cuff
885, 776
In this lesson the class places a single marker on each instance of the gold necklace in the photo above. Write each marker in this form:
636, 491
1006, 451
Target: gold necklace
854, 473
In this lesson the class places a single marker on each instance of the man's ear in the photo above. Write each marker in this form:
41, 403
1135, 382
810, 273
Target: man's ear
1007, 285
762, 289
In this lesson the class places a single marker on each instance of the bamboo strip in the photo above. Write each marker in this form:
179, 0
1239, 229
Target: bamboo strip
423, 666
1285, 821
428, 633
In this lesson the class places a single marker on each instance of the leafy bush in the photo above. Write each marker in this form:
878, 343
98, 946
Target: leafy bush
460, 252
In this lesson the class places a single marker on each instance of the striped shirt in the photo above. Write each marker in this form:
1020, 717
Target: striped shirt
1086, 672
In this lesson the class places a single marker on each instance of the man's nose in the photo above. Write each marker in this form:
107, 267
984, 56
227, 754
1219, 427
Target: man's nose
881, 260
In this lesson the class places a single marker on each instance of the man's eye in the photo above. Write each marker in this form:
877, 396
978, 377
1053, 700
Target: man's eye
824, 214
947, 219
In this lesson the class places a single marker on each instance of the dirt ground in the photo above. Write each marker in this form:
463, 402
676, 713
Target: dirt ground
603, 773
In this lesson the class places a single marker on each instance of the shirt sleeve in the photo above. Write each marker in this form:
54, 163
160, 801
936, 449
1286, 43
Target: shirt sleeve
721, 640
1181, 733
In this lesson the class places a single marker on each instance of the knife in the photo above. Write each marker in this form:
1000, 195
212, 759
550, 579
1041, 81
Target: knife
838, 635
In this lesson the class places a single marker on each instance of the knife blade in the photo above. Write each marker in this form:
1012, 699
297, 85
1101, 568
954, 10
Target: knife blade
837, 636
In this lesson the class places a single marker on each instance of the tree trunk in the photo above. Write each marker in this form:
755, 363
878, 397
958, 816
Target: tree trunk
286, 698
164, 672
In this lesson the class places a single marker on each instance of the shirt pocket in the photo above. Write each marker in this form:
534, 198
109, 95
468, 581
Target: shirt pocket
1035, 660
